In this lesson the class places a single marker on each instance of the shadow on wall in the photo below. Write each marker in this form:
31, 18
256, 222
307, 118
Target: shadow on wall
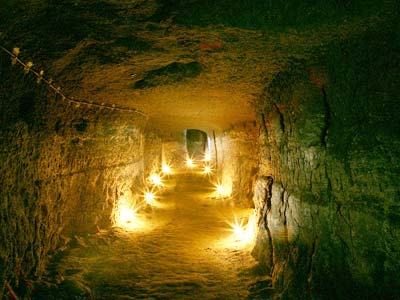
237, 155
63, 168
327, 192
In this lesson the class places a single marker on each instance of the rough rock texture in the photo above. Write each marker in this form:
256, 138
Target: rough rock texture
327, 191
328, 195
63, 169
173, 72
174, 152
152, 152
237, 163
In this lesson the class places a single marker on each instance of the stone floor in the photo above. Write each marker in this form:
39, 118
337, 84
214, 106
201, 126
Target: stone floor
185, 249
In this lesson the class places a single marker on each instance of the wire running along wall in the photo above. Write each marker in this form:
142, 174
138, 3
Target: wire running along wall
28, 68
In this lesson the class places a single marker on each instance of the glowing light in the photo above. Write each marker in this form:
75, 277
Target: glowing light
166, 169
243, 234
149, 197
222, 190
190, 163
223, 187
125, 214
239, 231
155, 179
207, 156
207, 169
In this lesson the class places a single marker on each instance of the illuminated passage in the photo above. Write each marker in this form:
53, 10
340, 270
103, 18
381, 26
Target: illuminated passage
191, 245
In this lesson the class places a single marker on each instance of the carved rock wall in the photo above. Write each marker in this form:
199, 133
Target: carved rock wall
328, 195
63, 169
237, 153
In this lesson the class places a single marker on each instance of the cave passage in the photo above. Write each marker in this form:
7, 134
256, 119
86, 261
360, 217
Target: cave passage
170, 149
184, 248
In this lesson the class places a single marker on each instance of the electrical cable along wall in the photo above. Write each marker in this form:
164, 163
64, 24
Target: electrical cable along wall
318, 169
28, 69
64, 166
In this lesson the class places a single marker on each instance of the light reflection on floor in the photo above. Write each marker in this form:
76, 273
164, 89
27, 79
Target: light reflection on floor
189, 251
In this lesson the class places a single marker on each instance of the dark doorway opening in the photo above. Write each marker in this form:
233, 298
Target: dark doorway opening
196, 143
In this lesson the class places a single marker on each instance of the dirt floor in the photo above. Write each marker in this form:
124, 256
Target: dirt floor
185, 249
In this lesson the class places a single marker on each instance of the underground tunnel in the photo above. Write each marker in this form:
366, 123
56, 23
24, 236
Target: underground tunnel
170, 149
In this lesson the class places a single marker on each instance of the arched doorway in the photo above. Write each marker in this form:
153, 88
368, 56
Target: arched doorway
196, 143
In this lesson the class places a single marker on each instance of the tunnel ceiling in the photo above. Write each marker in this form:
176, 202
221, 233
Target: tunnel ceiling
183, 70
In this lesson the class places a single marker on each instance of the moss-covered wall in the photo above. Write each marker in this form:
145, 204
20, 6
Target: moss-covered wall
63, 167
328, 192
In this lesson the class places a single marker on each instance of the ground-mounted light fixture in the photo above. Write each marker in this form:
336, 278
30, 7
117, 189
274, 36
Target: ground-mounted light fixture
149, 197
166, 169
207, 169
222, 190
156, 180
126, 213
127, 217
190, 163
243, 231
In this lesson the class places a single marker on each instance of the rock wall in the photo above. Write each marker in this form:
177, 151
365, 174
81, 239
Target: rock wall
63, 168
174, 153
237, 161
152, 153
327, 194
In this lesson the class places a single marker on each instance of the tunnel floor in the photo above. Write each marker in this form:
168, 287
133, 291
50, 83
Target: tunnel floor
187, 253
